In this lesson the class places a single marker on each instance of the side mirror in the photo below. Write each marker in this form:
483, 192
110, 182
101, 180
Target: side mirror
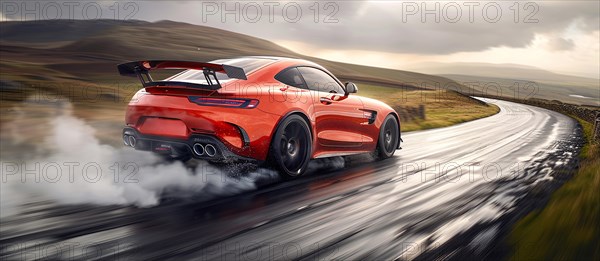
351, 88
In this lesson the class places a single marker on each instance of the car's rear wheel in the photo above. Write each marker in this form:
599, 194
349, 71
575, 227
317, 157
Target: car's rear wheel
291, 146
389, 135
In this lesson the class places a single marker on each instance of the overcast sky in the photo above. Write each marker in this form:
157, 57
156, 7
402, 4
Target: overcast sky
558, 36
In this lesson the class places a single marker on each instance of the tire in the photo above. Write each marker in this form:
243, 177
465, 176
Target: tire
291, 147
389, 135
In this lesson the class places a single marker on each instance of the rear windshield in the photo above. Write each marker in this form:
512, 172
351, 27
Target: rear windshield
197, 76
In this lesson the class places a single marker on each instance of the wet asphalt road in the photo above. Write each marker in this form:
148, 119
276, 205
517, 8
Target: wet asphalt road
448, 193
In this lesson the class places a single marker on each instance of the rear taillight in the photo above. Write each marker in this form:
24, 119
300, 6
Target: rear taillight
225, 102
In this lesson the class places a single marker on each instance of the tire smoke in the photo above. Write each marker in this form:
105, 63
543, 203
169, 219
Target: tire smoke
69, 165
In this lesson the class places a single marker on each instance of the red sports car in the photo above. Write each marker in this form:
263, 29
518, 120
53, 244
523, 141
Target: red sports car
265, 109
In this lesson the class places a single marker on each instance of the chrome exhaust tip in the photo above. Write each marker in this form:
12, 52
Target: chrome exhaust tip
132, 141
210, 150
198, 149
126, 140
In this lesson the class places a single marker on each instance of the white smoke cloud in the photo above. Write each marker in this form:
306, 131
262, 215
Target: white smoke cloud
71, 166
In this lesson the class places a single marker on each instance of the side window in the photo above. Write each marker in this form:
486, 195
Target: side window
319, 80
291, 77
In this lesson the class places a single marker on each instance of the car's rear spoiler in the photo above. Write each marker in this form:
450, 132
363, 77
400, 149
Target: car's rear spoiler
141, 70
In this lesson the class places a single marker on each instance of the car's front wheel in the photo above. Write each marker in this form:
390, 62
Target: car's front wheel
389, 135
291, 146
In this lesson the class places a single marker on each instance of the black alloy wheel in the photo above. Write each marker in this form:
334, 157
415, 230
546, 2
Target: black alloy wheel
291, 146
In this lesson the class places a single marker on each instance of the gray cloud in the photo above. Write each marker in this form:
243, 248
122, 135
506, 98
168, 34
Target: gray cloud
392, 26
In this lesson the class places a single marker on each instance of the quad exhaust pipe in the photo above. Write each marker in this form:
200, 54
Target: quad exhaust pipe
132, 141
198, 149
210, 150
129, 140
201, 150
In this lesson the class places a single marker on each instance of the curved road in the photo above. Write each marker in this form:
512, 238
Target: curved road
449, 192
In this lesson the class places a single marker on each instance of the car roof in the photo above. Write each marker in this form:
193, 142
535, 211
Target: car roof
295, 61
278, 58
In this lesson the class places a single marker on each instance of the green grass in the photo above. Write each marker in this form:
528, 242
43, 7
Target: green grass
568, 228
442, 108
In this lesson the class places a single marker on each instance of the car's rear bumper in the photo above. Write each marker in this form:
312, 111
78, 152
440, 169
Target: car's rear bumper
167, 145
245, 132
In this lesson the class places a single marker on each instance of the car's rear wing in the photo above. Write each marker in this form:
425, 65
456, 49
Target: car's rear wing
141, 70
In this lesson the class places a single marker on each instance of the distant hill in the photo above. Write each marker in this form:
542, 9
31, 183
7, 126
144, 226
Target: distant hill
513, 71
58, 31
566, 88
67, 45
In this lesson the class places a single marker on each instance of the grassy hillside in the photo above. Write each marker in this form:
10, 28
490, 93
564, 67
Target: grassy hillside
581, 93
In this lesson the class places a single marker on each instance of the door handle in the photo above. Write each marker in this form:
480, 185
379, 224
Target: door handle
325, 100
